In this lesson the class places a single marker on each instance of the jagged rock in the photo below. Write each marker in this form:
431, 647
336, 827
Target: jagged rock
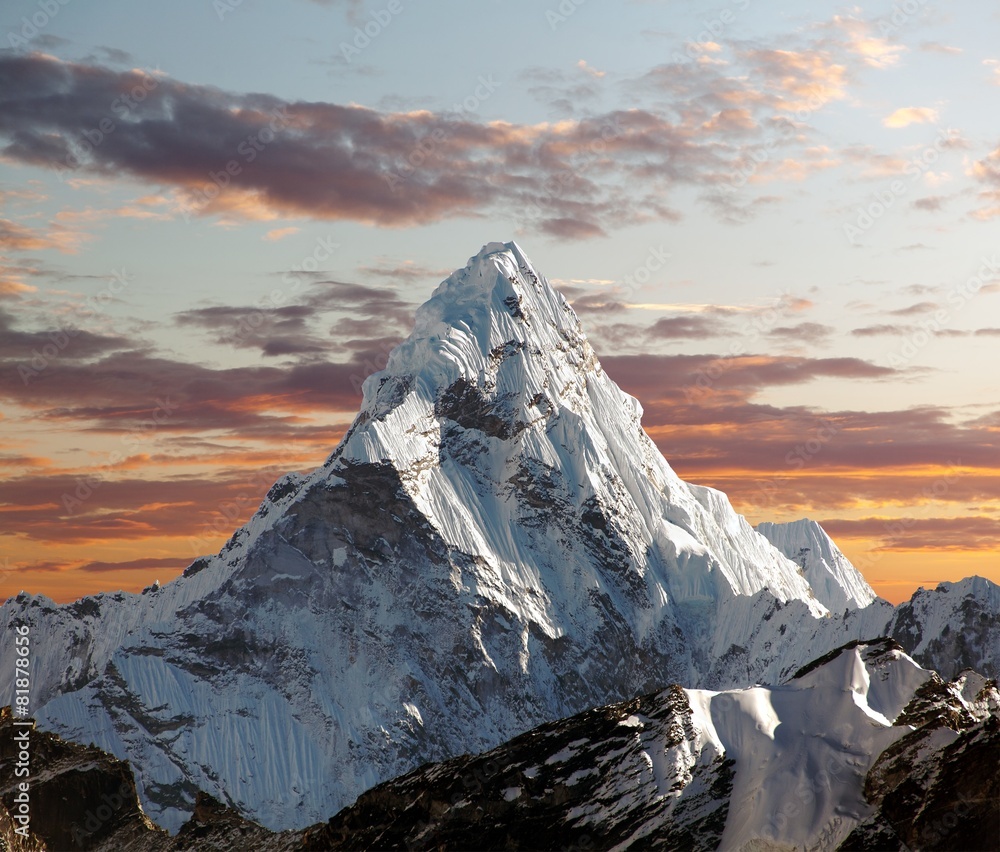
936, 788
80, 797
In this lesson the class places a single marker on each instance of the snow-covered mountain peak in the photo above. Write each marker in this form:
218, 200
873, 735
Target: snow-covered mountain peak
976, 587
495, 543
881, 675
498, 282
495, 309
495, 350
953, 624
835, 581
504, 429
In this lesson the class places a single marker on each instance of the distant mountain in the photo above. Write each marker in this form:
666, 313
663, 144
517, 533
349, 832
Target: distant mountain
494, 544
837, 584
862, 749
952, 627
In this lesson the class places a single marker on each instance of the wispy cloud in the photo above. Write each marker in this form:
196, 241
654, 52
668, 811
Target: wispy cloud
987, 172
276, 234
905, 116
938, 47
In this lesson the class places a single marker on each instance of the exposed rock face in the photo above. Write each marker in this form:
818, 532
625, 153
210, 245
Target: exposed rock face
862, 749
606, 778
80, 797
939, 786
214, 827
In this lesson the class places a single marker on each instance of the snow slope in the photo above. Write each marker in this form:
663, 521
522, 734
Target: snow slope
803, 749
862, 744
834, 580
833, 751
495, 544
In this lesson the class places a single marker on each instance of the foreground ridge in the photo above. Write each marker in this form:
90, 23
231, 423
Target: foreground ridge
863, 749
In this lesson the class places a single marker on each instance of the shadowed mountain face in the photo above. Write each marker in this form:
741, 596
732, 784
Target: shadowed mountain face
628, 773
494, 545
862, 749
82, 798
938, 787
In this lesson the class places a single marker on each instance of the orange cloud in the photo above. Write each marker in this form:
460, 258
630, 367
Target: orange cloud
806, 80
729, 120
593, 72
987, 172
906, 116
280, 233
858, 39
16, 237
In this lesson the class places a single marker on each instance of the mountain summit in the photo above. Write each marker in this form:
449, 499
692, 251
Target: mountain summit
494, 544
831, 576
508, 435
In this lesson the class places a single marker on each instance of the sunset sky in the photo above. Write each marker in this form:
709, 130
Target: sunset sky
778, 222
